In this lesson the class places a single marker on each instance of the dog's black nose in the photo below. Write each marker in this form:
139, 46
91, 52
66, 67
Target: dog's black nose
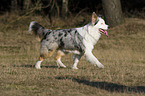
108, 26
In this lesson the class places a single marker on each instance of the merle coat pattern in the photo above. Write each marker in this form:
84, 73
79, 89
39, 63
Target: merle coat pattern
79, 41
68, 39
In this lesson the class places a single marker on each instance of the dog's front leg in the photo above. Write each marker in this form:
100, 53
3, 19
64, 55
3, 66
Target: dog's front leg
76, 59
91, 58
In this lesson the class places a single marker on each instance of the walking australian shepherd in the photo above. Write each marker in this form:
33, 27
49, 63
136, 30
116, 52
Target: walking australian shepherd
79, 41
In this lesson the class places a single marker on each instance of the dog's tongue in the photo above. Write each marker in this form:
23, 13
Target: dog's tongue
105, 32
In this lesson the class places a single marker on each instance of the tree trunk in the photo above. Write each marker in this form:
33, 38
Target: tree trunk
113, 12
14, 6
27, 4
17, 5
64, 11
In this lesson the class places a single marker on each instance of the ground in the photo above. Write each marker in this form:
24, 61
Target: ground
122, 54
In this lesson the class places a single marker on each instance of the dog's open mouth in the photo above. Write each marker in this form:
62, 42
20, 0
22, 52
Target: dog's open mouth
104, 32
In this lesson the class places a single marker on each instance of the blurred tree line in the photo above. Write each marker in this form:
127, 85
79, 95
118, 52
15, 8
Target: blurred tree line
56, 7
63, 8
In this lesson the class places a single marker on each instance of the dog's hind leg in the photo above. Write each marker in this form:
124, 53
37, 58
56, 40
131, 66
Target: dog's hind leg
58, 59
92, 59
76, 59
43, 55
38, 63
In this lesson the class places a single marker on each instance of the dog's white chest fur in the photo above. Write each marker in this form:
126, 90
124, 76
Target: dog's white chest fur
90, 35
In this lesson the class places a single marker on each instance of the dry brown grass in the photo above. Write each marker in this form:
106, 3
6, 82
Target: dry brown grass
122, 54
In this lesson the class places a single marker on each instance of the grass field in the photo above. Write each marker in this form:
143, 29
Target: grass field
122, 54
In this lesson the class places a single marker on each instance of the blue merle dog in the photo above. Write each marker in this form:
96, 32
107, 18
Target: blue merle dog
79, 41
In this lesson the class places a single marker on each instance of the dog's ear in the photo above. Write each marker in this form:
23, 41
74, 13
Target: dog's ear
94, 18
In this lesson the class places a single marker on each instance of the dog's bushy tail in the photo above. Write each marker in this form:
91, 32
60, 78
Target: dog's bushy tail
35, 28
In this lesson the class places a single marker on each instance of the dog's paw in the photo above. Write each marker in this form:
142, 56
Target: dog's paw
101, 66
75, 67
37, 67
62, 66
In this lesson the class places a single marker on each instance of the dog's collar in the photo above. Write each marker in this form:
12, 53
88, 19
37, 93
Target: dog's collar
96, 22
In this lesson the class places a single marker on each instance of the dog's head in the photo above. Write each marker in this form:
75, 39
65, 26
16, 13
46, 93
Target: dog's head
99, 24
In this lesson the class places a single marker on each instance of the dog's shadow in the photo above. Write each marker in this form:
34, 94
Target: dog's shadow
33, 66
111, 87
